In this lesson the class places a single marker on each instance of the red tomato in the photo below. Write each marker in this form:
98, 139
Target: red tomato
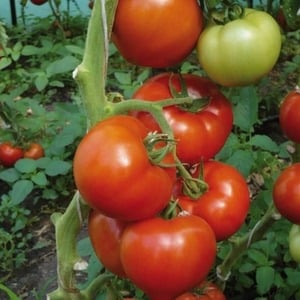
206, 291
226, 202
38, 2
164, 258
286, 193
9, 154
155, 33
289, 116
35, 151
199, 135
105, 234
114, 175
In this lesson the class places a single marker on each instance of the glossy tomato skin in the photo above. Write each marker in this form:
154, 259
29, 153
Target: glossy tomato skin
114, 175
10, 154
289, 116
38, 2
206, 291
156, 33
226, 202
167, 257
35, 151
105, 235
199, 135
241, 51
286, 193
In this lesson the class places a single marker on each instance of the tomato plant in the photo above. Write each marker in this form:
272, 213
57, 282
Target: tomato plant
294, 242
289, 115
35, 151
226, 202
286, 193
241, 51
113, 173
167, 257
105, 234
156, 34
10, 154
199, 133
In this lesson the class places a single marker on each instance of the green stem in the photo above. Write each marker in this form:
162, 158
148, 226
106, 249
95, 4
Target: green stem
91, 73
96, 286
239, 246
67, 228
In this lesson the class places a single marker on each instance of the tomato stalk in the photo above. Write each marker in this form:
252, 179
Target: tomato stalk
240, 245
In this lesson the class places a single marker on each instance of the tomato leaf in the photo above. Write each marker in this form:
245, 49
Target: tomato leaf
243, 161
57, 167
264, 142
10, 175
26, 165
291, 10
20, 190
264, 278
39, 179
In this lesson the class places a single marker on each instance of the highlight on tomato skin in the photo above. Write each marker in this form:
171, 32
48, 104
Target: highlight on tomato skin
157, 34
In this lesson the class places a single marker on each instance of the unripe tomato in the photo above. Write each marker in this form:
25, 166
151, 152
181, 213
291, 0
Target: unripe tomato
294, 242
289, 115
155, 33
241, 51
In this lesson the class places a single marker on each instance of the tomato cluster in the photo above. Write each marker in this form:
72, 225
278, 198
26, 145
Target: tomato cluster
10, 154
286, 193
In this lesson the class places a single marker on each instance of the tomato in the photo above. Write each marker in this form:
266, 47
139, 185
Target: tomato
105, 234
226, 202
206, 291
9, 154
113, 173
294, 242
156, 33
35, 151
38, 2
199, 135
241, 51
164, 258
289, 115
286, 193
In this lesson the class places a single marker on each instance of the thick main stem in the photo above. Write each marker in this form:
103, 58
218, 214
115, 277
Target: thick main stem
241, 245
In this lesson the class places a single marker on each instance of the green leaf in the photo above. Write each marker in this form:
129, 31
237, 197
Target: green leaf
9, 175
246, 109
264, 279
258, 257
29, 50
26, 165
264, 142
11, 295
20, 190
291, 12
231, 144
40, 179
58, 167
75, 49
84, 247
243, 160
5, 62
123, 77
41, 81
64, 65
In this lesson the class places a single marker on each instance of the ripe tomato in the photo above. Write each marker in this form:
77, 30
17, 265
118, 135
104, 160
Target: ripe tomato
114, 175
199, 135
38, 2
35, 151
105, 234
241, 51
206, 291
289, 116
286, 193
164, 258
9, 154
226, 202
155, 33
294, 242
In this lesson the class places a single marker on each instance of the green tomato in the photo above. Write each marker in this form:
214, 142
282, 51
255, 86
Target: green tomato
294, 242
241, 51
